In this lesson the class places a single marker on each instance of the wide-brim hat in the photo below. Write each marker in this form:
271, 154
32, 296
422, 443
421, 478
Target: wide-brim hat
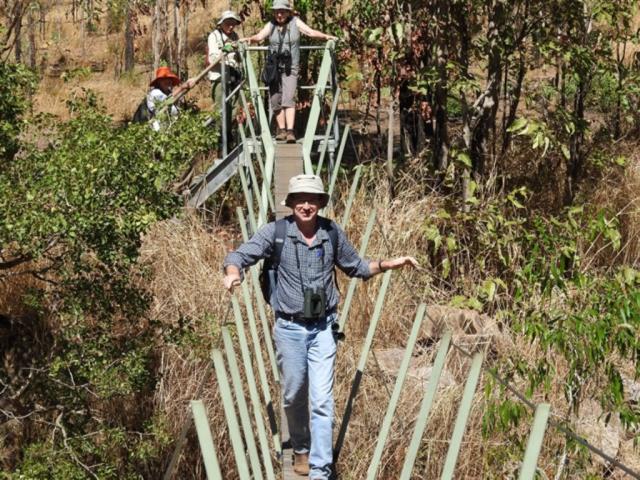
306, 184
165, 72
281, 5
229, 14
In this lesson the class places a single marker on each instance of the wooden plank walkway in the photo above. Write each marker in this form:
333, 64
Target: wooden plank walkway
289, 163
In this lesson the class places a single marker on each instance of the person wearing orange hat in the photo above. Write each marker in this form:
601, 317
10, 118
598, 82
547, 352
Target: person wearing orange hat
165, 84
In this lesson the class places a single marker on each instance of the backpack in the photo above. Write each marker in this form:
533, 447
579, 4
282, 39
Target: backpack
143, 114
269, 273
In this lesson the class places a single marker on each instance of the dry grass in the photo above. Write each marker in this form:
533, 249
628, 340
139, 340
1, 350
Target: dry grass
95, 61
185, 257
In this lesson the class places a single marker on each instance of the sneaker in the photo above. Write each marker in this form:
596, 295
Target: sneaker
291, 136
301, 464
281, 135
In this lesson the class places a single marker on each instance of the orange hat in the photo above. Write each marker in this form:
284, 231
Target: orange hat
165, 72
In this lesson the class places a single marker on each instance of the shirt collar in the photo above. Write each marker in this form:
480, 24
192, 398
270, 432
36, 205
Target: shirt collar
294, 232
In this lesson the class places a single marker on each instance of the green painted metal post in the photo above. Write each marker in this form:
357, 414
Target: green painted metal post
252, 131
253, 330
425, 408
262, 374
208, 449
528, 469
230, 415
336, 167
355, 386
346, 306
395, 396
252, 384
463, 416
262, 311
255, 186
352, 195
243, 410
316, 106
327, 133
247, 196
265, 134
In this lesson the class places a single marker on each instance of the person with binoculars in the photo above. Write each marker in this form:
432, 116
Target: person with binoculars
305, 300
283, 33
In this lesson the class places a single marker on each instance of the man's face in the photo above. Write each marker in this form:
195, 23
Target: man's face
228, 26
305, 206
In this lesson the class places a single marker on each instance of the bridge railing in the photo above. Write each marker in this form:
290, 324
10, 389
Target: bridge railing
256, 145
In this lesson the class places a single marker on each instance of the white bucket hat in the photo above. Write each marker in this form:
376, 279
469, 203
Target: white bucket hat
281, 5
306, 184
226, 15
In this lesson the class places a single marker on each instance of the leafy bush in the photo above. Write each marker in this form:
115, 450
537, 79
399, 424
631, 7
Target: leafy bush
72, 215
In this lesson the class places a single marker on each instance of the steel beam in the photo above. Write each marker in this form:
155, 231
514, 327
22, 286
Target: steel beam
251, 381
230, 415
425, 408
208, 449
395, 396
463, 416
262, 311
534, 444
316, 106
355, 386
346, 306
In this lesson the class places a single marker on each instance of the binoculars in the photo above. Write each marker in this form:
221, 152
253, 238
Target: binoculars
315, 303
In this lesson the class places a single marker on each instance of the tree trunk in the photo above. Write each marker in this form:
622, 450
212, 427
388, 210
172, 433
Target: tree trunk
129, 60
514, 102
174, 40
440, 95
159, 31
18, 33
489, 105
576, 143
31, 23
182, 67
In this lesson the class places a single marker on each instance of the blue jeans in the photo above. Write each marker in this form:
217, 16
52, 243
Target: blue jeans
306, 355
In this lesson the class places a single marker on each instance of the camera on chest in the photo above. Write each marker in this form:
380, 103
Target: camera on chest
315, 303
284, 62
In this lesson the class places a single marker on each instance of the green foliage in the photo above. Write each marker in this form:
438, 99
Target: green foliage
75, 211
530, 271
16, 86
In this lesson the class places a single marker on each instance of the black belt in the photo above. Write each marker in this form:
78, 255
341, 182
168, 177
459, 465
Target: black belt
296, 317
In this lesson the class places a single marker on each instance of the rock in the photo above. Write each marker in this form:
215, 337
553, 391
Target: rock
629, 455
459, 321
470, 330
593, 427
419, 371
631, 389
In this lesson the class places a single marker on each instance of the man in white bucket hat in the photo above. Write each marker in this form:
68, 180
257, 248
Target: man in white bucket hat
223, 36
305, 300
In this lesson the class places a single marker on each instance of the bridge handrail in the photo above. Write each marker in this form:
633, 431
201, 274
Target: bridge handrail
324, 75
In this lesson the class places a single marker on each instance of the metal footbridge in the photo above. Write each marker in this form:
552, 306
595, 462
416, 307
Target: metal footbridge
244, 364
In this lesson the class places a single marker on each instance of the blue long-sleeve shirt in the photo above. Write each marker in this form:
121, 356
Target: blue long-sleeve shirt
302, 265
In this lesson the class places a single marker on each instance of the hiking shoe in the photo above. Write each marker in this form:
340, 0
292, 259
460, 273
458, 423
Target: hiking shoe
291, 136
301, 464
281, 135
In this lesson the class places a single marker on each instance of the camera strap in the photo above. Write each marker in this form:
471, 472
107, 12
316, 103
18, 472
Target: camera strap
324, 259
282, 34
